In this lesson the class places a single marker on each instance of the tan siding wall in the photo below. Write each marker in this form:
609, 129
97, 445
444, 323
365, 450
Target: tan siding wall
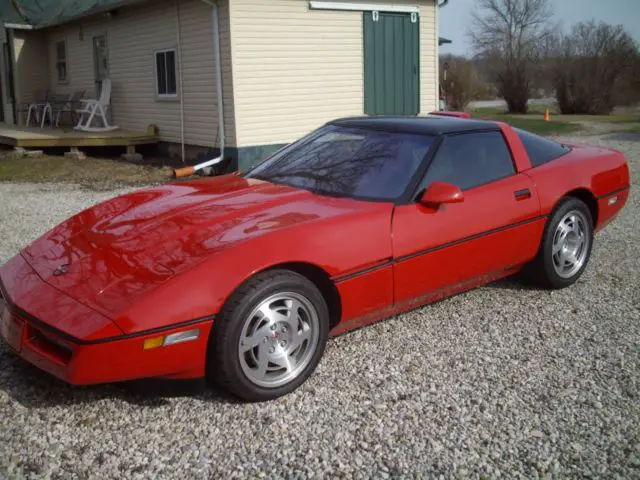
132, 37
295, 68
31, 69
428, 57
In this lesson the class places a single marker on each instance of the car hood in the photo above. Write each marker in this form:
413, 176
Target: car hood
107, 255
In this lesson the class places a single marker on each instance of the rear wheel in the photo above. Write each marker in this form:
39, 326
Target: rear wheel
566, 245
269, 337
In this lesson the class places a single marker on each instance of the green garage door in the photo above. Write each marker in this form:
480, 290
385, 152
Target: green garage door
391, 64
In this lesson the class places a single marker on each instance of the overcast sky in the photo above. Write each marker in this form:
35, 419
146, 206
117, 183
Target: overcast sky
455, 18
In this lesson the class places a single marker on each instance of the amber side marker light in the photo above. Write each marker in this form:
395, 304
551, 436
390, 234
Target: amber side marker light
173, 339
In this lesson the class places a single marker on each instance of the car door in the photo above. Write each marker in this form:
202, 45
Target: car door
443, 249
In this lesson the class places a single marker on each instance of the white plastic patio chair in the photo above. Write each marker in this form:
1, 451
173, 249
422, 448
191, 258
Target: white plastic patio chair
53, 104
92, 108
35, 108
59, 105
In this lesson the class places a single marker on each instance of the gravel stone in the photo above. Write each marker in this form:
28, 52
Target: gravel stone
506, 381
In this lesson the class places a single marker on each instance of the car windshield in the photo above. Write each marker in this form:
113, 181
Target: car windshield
348, 162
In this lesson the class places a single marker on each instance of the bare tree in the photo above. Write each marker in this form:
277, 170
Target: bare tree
460, 81
592, 68
508, 33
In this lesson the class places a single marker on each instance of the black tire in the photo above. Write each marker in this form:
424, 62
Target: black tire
223, 356
542, 270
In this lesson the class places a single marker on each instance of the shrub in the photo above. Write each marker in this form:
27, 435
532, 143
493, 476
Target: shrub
459, 81
592, 70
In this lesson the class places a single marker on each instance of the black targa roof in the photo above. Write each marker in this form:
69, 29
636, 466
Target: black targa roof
430, 125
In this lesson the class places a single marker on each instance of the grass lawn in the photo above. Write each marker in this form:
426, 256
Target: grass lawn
534, 122
635, 128
92, 172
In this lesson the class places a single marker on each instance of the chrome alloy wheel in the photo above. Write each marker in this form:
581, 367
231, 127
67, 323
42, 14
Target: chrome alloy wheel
279, 339
570, 244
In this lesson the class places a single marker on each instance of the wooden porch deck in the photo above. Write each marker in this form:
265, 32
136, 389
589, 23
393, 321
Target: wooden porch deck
34, 137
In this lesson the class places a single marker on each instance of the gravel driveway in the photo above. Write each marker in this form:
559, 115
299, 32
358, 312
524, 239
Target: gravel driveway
504, 381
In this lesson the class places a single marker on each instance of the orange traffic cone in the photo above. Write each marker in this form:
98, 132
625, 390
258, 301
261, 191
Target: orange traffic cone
547, 117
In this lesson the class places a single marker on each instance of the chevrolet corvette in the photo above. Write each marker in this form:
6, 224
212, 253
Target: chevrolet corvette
242, 278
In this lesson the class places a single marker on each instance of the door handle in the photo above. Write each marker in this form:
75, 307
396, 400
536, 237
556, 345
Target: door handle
522, 194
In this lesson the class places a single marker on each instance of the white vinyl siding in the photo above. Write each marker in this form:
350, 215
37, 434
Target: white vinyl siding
133, 37
295, 68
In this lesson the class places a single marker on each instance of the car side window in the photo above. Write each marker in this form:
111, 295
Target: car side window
541, 150
469, 160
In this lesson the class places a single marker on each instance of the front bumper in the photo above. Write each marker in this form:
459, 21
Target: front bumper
100, 360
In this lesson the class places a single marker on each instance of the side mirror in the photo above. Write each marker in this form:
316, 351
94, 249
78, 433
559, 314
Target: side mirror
441, 192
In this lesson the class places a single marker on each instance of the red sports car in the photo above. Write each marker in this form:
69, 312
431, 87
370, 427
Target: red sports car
242, 278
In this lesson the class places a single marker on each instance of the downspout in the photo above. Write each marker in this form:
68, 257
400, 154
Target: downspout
215, 19
180, 84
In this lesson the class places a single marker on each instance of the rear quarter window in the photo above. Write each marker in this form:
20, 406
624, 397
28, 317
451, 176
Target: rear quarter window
541, 150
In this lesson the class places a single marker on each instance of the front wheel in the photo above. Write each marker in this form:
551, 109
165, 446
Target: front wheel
269, 337
566, 245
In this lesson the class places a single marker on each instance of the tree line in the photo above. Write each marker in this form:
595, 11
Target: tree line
590, 69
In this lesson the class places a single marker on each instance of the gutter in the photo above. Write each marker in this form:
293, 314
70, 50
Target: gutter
59, 17
215, 20
18, 26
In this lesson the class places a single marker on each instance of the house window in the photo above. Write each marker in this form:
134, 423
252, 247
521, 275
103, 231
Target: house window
166, 74
61, 61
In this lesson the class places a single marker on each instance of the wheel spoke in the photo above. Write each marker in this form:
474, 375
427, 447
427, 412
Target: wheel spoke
272, 315
284, 361
294, 313
557, 247
570, 259
564, 231
263, 362
299, 337
249, 343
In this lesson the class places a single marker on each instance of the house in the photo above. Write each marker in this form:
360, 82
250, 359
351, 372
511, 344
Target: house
284, 66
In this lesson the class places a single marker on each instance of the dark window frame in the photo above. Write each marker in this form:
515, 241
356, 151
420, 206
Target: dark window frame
164, 90
62, 63
419, 190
